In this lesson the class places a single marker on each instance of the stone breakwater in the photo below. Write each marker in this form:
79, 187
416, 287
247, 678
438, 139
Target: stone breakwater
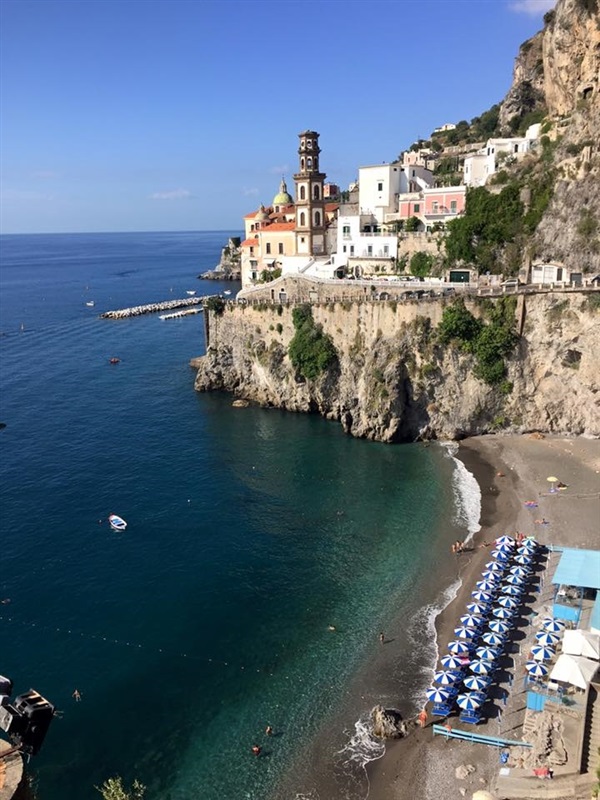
152, 308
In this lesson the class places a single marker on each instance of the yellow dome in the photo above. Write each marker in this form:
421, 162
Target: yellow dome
282, 198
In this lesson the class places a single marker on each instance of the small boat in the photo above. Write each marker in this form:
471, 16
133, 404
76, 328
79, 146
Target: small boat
117, 523
114, 360
191, 291
90, 303
227, 291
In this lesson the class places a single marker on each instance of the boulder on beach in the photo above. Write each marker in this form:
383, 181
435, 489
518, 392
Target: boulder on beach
388, 723
463, 771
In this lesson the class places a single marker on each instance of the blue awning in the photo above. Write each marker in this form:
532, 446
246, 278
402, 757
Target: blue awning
578, 568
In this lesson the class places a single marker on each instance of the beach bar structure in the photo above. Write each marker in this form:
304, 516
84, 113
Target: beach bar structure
577, 588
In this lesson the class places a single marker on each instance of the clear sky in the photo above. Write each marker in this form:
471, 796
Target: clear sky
119, 115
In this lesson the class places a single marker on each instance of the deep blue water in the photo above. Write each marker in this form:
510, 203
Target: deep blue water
249, 532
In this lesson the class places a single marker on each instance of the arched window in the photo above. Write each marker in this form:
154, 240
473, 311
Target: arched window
317, 218
302, 193
309, 163
317, 193
302, 164
303, 218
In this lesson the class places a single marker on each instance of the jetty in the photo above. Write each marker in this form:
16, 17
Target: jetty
153, 308
186, 312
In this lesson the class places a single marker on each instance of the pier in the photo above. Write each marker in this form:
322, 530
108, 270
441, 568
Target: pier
153, 308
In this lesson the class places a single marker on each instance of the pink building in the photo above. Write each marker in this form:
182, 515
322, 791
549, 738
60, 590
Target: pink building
438, 204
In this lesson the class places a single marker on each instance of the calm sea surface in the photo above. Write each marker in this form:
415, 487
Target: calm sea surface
249, 533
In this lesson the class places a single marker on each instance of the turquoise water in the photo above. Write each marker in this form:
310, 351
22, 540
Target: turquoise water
250, 531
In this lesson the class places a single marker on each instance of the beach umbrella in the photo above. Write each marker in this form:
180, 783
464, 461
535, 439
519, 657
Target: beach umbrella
501, 555
486, 586
547, 638
523, 560
504, 547
508, 602
499, 626
447, 677
552, 481
503, 613
526, 548
505, 540
478, 608
481, 667
487, 653
452, 662
536, 669
490, 575
520, 571
465, 633
494, 566
530, 542
470, 701
515, 580
438, 694
481, 596
542, 652
513, 591
493, 639
477, 683
553, 625
459, 647
470, 620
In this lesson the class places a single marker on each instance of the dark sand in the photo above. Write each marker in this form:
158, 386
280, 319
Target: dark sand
422, 767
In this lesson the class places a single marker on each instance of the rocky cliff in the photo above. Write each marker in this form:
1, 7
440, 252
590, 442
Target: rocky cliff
394, 382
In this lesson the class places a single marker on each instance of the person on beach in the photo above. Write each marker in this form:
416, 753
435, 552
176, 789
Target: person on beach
422, 718
256, 749
382, 638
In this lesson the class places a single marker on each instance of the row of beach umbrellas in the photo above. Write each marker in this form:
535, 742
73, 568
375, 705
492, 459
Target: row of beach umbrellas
495, 601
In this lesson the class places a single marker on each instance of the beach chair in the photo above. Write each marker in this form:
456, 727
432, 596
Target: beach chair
441, 709
471, 717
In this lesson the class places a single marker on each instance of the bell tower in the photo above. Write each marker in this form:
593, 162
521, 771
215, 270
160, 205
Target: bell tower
310, 205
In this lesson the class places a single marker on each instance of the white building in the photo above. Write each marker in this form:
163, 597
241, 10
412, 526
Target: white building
480, 166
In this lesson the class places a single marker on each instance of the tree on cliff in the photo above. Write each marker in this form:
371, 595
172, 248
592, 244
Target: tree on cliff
311, 351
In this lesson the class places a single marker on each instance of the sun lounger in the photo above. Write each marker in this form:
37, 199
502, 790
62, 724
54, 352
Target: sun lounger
472, 717
441, 709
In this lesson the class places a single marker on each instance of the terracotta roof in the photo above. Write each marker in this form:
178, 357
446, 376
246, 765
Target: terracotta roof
279, 226
249, 242
252, 214
331, 206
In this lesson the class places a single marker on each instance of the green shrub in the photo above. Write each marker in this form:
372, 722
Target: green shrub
279, 327
310, 350
113, 789
420, 264
215, 304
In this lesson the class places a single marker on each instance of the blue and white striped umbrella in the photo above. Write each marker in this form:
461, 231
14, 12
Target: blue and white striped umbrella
505, 547
470, 620
478, 608
482, 596
490, 575
494, 639
503, 613
448, 677
508, 602
459, 646
494, 566
465, 633
499, 626
553, 625
487, 653
547, 638
513, 591
451, 662
438, 694
500, 555
486, 586
505, 540
477, 683
481, 667
536, 669
523, 559
526, 549
470, 701
542, 653
515, 580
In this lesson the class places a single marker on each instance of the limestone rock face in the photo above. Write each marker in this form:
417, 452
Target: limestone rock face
393, 382
388, 723
527, 90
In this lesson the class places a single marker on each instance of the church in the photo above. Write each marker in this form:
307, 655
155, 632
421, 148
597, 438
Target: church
292, 236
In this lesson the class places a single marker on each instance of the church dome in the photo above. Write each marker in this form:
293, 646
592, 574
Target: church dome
262, 214
282, 198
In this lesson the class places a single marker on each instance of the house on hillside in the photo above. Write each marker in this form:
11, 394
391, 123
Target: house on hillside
480, 166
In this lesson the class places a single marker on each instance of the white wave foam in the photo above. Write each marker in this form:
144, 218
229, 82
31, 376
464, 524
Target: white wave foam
467, 494
362, 747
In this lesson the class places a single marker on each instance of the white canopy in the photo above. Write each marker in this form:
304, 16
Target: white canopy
581, 643
576, 670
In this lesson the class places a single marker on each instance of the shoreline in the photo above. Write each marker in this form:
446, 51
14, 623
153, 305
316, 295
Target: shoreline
509, 470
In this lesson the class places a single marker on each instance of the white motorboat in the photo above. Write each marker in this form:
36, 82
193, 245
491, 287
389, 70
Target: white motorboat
90, 303
117, 523
191, 292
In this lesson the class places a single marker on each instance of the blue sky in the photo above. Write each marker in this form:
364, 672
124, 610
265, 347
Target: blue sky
182, 114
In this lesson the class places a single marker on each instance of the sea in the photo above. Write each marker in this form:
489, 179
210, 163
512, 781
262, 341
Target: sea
264, 553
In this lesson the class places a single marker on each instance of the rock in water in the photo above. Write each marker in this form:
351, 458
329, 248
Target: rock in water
388, 723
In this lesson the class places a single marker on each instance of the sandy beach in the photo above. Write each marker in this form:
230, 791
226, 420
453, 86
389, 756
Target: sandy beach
510, 471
